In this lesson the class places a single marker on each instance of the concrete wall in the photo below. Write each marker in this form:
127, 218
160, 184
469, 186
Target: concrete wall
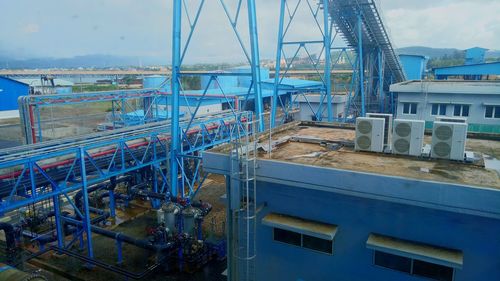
476, 102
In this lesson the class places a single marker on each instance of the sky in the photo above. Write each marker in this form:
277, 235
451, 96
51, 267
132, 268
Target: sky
66, 28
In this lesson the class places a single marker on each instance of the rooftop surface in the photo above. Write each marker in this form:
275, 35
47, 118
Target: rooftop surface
448, 87
385, 164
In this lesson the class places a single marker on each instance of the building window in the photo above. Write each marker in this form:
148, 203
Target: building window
461, 110
413, 266
409, 108
392, 261
492, 112
432, 271
438, 109
302, 240
317, 244
288, 237
304, 233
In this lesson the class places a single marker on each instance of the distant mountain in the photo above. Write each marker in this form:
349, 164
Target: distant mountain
434, 53
427, 51
88, 61
493, 54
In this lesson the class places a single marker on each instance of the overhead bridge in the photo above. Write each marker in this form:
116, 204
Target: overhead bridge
347, 14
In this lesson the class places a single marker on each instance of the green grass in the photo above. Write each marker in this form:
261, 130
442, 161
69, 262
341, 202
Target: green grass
94, 88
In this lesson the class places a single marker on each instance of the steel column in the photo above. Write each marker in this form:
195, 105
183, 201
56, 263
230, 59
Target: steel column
176, 68
254, 41
86, 218
381, 81
361, 65
274, 104
328, 59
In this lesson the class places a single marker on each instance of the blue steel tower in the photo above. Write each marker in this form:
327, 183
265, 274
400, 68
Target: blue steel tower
179, 52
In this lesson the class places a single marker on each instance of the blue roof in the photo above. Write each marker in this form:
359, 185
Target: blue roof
412, 55
477, 48
295, 84
14, 80
492, 68
228, 92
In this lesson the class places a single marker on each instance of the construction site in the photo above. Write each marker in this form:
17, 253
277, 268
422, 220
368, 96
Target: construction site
358, 166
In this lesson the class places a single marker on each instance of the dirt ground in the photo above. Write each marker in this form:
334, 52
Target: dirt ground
214, 188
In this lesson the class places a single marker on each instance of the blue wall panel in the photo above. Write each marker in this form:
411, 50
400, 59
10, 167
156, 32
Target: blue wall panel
475, 69
10, 90
413, 66
356, 218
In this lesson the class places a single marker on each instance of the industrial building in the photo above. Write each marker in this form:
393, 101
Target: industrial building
362, 216
475, 68
10, 91
48, 86
476, 101
414, 66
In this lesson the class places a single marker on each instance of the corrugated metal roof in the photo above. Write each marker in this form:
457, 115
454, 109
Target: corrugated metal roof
10, 79
448, 87
38, 82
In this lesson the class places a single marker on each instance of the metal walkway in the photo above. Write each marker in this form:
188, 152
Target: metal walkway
345, 15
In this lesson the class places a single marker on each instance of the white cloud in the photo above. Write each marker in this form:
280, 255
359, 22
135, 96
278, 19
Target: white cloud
462, 25
31, 28
68, 28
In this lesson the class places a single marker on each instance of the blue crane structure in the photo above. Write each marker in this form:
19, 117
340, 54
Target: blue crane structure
163, 161
179, 52
375, 64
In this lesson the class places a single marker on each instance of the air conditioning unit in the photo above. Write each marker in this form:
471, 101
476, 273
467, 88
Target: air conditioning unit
451, 119
370, 134
388, 127
408, 137
448, 140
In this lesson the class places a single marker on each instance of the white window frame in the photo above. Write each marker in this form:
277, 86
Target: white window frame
440, 106
461, 110
493, 112
411, 105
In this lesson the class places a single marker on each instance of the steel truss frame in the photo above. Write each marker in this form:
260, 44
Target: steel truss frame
121, 103
55, 170
288, 13
179, 52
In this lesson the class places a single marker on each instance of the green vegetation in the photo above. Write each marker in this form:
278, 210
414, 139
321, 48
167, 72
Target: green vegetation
94, 88
457, 58
129, 79
191, 82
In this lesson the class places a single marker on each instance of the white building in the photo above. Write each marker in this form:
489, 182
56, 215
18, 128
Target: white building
309, 106
478, 101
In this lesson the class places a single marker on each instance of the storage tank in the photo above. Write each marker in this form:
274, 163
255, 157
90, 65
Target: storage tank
167, 215
189, 216
156, 82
